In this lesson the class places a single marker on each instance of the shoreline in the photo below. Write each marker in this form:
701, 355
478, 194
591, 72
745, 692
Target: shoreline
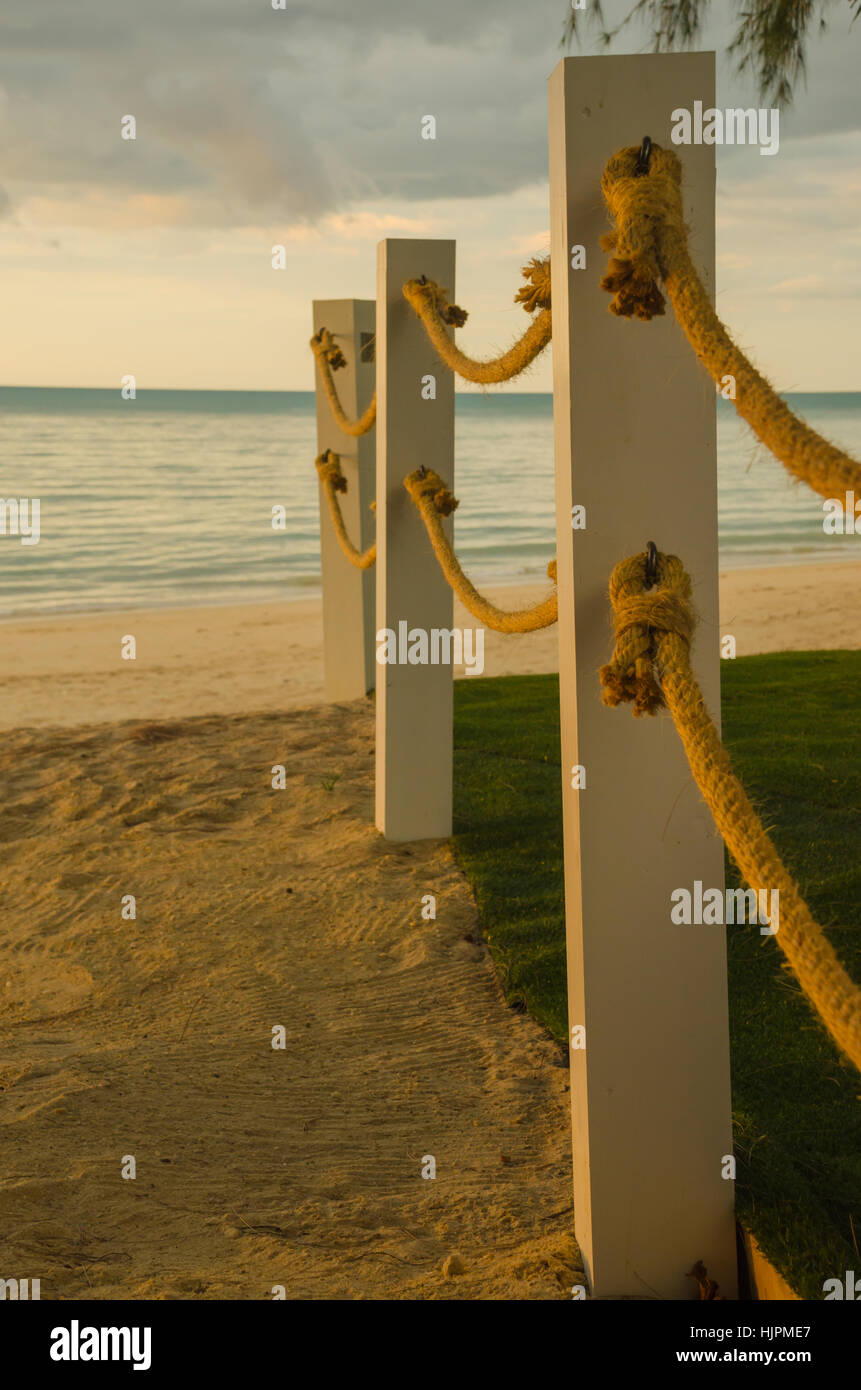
314, 592
65, 669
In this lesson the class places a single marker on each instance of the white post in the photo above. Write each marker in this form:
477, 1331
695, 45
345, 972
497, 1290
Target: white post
415, 426
348, 593
635, 445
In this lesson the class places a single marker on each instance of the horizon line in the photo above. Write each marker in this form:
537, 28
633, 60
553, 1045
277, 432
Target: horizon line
310, 390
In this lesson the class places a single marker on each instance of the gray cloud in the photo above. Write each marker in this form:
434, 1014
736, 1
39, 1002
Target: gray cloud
246, 114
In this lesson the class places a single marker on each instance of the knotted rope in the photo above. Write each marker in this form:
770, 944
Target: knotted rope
430, 303
328, 466
434, 501
650, 243
329, 359
651, 667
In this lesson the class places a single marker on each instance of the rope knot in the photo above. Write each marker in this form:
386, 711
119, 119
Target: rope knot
649, 625
328, 465
645, 208
425, 293
425, 483
324, 345
445, 502
535, 294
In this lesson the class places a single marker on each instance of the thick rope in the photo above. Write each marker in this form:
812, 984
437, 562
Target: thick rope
651, 667
432, 307
329, 358
650, 243
434, 501
329, 468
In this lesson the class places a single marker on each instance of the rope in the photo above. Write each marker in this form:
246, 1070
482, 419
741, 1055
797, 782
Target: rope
329, 359
432, 307
650, 243
433, 501
651, 667
328, 466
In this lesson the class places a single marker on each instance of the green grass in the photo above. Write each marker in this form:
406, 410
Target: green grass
791, 722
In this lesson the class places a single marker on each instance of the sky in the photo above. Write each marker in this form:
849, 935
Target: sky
300, 127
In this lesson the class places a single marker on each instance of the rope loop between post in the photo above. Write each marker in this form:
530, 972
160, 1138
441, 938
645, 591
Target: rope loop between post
433, 501
650, 243
651, 667
429, 302
330, 359
328, 465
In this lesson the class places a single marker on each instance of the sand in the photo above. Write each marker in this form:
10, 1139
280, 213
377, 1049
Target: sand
256, 908
152, 1038
261, 656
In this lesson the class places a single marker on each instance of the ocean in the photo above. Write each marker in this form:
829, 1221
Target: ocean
167, 500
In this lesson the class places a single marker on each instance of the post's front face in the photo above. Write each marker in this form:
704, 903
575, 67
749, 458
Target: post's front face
348, 593
635, 447
415, 426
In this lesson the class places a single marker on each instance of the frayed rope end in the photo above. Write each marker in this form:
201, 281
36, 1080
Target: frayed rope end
444, 502
535, 294
633, 286
629, 687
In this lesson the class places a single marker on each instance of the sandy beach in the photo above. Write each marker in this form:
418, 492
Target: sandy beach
268, 656
150, 1037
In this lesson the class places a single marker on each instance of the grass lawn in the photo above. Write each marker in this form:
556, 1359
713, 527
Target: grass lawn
791, 721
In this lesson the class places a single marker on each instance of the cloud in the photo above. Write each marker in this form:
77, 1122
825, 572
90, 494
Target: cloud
273, 114
252, 116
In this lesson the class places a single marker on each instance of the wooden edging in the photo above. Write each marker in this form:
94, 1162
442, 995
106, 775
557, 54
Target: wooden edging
764, 1282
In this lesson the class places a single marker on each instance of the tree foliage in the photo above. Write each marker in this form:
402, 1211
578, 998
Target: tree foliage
770, 38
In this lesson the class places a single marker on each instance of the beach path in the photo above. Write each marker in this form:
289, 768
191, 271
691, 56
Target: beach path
67, 669
151, 1039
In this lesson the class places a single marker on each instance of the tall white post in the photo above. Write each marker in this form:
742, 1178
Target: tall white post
635, 445
415, 427
348, 593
